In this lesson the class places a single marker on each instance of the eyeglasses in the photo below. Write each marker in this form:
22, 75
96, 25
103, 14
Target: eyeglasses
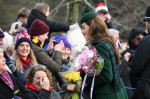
39, 67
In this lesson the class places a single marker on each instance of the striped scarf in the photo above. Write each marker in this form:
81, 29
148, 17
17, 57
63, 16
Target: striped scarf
36, 41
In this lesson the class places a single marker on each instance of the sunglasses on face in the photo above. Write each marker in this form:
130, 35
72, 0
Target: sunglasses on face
104, 13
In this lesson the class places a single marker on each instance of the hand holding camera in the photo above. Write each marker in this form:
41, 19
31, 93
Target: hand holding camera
59, 46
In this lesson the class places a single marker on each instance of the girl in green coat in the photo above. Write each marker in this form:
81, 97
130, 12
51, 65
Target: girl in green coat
108, 84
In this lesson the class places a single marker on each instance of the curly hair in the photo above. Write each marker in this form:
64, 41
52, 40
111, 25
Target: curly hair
32, 70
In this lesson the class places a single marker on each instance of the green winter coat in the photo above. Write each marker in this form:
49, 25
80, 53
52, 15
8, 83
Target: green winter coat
103, 87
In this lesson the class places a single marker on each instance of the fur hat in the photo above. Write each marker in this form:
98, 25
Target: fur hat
101, 6
22, 36
38, 27
1, 33
147, 14
87, 15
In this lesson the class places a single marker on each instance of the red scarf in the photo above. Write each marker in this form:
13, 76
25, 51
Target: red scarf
31, 86
25, 62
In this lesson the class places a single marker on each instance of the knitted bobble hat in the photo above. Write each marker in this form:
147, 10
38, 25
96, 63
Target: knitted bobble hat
101, 6
1, 33
38, 27
87, 15
22, 36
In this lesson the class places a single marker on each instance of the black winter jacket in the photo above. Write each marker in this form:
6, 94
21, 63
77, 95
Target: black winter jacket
7, 93
43, 94
140, 70
53, 26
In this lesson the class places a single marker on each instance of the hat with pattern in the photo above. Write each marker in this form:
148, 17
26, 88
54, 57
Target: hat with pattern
22, 36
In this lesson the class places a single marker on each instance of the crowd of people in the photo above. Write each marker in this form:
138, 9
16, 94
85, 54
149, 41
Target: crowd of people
33, 63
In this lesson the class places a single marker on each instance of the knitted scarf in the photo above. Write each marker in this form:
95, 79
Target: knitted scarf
31, 86
36, 41
25, 62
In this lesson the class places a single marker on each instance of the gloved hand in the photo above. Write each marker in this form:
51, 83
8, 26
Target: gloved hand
61, 80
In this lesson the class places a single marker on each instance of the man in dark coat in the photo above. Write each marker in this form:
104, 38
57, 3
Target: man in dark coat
140, 65
41, 11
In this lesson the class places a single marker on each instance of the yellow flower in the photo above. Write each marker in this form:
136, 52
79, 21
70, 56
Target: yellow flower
74, 76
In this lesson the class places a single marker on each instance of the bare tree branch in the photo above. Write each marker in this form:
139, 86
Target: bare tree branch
132, 11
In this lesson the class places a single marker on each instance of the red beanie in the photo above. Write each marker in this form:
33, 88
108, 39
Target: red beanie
38, 27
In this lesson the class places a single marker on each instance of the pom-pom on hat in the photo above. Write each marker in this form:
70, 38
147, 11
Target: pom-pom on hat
101, 6
87, 15
1, 33
147, 14
22, 36
38, 27
65, 41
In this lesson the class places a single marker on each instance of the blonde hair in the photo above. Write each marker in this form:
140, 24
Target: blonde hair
42, 7
99, 31
19, 65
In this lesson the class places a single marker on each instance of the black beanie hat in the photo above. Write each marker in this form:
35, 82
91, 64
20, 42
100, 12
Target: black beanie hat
136, 31
147, 14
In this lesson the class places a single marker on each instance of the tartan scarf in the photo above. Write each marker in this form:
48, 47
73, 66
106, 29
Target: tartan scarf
115, 67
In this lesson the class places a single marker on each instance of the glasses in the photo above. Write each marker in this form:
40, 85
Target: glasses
39, 67
104, 13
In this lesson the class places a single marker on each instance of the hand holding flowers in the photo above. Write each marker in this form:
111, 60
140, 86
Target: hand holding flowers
73, 78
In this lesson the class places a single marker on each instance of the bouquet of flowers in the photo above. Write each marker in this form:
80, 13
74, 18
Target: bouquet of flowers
90, 62
74, 78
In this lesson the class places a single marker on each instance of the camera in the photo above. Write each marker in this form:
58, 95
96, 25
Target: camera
55, 43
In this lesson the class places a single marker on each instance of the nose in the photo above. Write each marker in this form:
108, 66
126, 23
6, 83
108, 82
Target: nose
4, 59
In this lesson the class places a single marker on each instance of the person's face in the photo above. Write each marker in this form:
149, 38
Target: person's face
1, 41
116, 36
43, 37
137, 38
2, 62
103, 15
23, 20
66, 52
37, 78
47, 13
24, 49
148, 25
85, 29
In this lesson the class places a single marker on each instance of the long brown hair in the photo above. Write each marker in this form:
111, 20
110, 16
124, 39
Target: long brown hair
99, 31
19, 65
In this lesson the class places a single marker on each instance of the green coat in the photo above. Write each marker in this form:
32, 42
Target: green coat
103, 87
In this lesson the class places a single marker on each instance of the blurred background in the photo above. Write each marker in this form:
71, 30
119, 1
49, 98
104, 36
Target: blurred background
126, 14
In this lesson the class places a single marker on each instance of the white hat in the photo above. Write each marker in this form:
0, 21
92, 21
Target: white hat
101, 6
